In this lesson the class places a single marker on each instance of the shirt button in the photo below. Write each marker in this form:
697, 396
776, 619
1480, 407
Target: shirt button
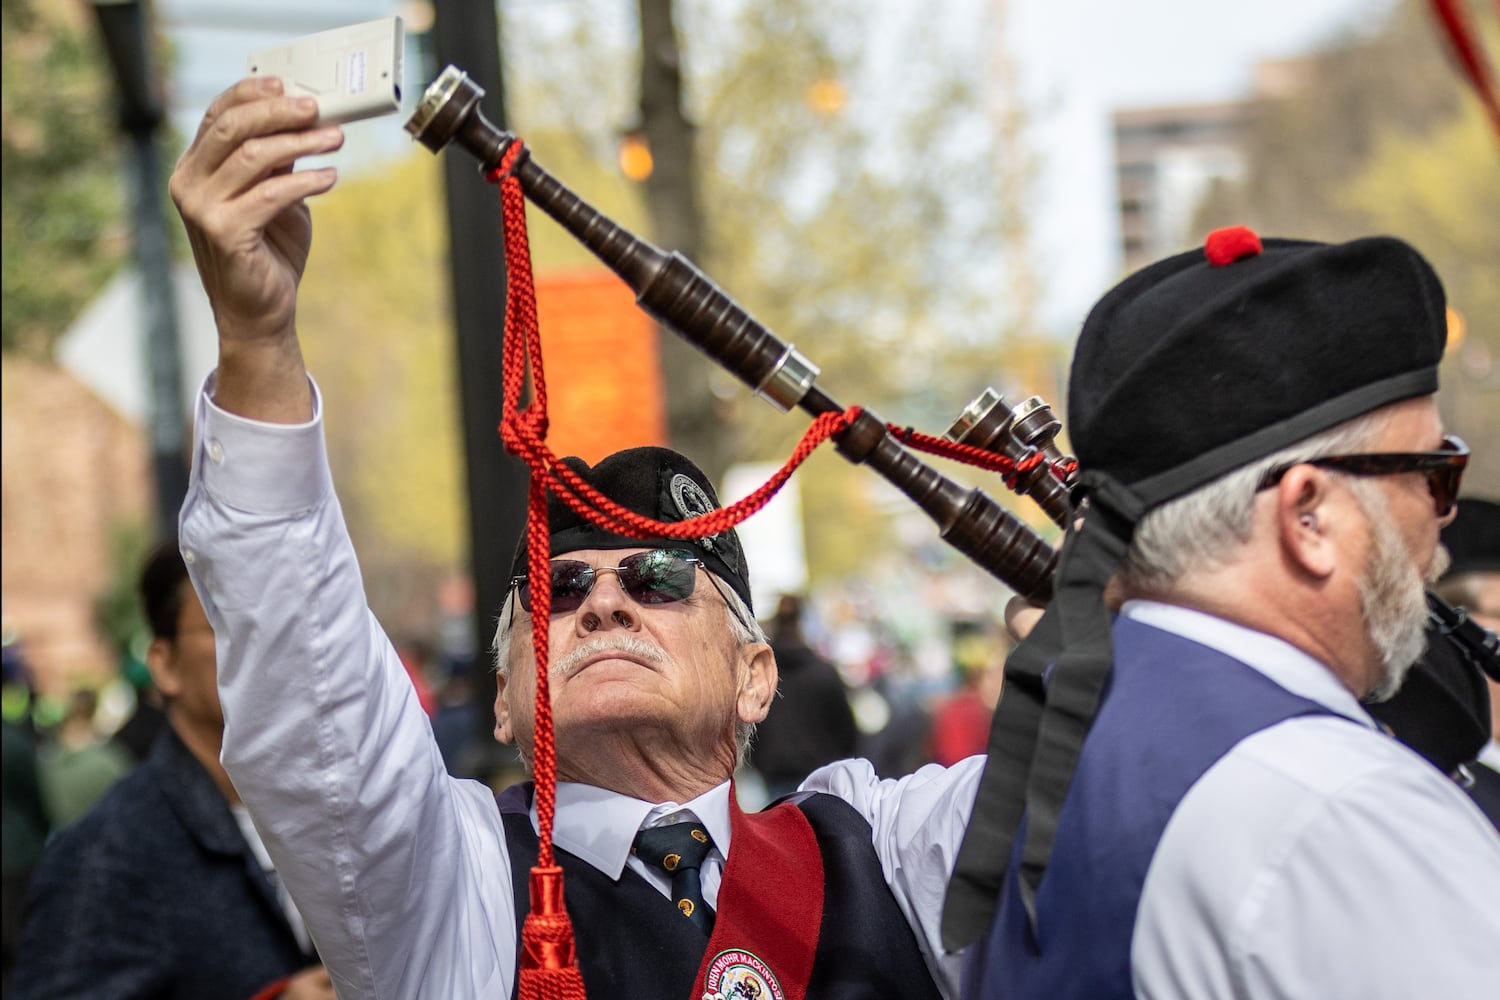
189, 557
216, 452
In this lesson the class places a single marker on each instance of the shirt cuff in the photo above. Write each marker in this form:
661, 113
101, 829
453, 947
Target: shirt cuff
259, 467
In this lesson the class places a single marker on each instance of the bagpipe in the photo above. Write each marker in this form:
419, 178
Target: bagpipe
1478, 645
679, 295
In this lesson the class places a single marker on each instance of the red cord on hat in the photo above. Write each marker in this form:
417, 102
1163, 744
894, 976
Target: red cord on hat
1225, 246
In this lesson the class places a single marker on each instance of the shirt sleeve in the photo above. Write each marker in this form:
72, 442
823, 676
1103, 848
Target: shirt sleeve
399, 869
916, 823
1318, 860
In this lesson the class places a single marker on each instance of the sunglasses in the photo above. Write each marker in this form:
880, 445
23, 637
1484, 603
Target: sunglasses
1444, 469
656, 576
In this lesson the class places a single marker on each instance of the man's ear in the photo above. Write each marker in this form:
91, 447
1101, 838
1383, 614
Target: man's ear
758, 680
504, 733
1305, 518
162, 664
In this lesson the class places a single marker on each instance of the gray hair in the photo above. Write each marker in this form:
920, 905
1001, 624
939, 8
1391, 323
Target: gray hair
1201, 528
742, 625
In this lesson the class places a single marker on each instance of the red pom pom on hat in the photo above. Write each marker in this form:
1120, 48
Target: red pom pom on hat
1225, 246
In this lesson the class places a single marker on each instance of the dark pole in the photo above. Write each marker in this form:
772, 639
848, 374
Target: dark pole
123, 25
467, 33
693, 421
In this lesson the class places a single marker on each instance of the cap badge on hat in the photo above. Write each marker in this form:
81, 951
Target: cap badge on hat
1225, 246
691, 501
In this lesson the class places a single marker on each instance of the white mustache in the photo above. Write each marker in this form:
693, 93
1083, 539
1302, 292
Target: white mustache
639, 649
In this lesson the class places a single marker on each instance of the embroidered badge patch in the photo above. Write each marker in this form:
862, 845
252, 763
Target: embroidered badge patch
692, 501
738, 975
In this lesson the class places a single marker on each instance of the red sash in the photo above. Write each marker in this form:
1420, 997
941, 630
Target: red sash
770, 909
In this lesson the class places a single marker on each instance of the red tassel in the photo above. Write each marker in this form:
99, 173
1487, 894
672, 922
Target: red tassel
549, 960
1225, 246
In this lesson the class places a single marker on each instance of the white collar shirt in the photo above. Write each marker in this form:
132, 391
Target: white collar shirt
1317, 858
599, 826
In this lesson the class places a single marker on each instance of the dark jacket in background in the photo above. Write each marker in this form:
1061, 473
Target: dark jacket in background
810, 723
154, 893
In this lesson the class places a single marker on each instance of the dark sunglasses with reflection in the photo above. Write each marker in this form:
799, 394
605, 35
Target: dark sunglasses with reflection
653, 577
1444, 469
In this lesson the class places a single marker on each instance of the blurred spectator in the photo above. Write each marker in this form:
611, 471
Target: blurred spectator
23, 831
455, 726
900, 746
146, 719
809, 723
416, 656
1472, 582
961, 722
76, 763
163, 889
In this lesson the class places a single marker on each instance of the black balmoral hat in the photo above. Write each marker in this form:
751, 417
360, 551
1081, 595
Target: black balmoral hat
1186, 370
658, 483
1213, 358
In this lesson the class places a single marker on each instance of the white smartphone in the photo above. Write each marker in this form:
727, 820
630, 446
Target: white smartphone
354, 72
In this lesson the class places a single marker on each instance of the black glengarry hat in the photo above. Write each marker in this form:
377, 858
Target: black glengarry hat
660, 484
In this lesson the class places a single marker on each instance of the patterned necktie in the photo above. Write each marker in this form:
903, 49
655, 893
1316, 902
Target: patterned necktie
679, 849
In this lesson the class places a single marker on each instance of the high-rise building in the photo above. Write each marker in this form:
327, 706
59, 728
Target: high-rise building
1166, 160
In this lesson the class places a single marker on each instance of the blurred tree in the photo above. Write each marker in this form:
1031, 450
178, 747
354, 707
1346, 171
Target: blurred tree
862, 180
876, 233
64, 220
376, 336
117, 608
1327, 117
373, 308
1353, 147
1441, 190
883, 232
694, 425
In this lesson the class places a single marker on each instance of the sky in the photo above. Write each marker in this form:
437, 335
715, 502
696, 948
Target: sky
1083, 59
1079, 59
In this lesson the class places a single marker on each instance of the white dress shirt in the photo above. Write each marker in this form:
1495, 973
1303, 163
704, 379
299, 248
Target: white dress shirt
399, 869
263, 859
1317, 859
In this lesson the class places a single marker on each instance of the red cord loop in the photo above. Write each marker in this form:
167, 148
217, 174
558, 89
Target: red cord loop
1010, 469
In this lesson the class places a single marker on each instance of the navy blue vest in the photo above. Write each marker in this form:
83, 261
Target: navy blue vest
632, 942
1172, 709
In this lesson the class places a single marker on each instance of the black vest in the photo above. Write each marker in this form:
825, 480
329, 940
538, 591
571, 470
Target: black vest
632, 942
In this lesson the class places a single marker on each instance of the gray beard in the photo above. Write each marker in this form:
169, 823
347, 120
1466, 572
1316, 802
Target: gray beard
1393, 597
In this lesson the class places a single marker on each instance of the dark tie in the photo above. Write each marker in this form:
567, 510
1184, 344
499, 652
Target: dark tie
679, 849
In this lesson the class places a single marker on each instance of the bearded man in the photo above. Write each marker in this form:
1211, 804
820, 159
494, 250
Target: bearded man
1209, 811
